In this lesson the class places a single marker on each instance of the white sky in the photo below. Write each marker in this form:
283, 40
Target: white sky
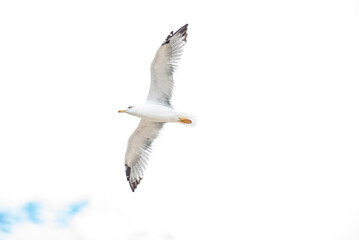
274, 85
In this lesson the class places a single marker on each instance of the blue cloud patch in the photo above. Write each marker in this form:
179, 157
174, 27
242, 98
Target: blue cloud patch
32, 212
10, 217
77, 207
70, 211
6, 221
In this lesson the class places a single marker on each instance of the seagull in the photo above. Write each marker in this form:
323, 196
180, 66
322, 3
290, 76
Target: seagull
157, 110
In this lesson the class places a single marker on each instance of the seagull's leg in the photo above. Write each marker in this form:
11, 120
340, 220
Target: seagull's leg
185, 120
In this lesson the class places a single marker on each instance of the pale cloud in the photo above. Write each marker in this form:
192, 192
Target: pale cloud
37, 216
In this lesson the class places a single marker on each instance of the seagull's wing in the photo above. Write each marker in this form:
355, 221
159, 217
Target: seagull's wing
138, 150
163, 66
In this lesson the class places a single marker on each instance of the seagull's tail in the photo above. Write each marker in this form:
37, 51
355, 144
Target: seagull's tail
187, 119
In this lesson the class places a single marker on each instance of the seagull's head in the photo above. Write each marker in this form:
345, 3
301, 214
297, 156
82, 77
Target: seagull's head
128, 110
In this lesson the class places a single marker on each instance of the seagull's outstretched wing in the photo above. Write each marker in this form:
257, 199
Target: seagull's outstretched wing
138, 150
163, 66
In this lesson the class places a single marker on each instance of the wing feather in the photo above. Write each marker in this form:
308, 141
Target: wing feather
163, 66
138, 150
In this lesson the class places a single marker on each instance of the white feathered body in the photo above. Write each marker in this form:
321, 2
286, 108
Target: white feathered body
155, 113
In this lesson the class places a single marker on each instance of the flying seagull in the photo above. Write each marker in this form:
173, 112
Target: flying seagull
157, 109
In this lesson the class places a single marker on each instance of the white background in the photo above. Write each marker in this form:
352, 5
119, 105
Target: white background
274, 85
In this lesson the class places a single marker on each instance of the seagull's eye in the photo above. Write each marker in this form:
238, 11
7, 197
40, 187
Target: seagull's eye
130, 107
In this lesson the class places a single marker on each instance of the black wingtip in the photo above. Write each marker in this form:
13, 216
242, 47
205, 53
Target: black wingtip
182, 31
128, 172
134, 184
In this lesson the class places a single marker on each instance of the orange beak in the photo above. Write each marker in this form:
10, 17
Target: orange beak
121, 111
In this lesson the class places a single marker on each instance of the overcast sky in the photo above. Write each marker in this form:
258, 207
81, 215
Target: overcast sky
274, 86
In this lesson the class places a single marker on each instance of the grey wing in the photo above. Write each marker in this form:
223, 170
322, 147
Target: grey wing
163, 66
138, 150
